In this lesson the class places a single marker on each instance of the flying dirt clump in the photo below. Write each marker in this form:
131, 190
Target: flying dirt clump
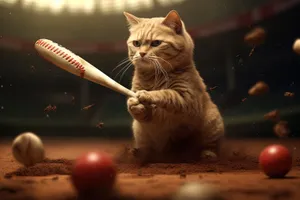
272, 116
281, 129
255, 37
258, 89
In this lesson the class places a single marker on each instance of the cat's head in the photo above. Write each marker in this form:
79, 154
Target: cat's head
161, 40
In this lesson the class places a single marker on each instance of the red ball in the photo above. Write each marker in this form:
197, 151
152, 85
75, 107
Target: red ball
94, 171
275, 161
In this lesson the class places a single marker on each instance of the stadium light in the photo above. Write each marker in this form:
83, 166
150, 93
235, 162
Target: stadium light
89, 6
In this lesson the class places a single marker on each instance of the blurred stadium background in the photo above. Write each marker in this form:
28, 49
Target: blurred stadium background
96, 30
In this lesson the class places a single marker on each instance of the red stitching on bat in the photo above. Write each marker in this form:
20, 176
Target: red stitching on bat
39, 41
64, 55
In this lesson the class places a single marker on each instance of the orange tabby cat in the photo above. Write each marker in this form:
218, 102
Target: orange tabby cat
172, 102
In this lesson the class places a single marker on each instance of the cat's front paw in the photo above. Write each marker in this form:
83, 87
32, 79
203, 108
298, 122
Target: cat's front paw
144, 97
137, 110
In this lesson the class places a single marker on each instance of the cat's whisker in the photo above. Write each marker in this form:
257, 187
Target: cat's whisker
122, 69
121, 63
157, 57
157, 64
165, 73
156, 76
162, 70
156, 73
160, 67
125, 71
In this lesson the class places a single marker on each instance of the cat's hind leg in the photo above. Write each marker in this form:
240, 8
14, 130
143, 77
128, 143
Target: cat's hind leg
212, 150
142, 150
213, 139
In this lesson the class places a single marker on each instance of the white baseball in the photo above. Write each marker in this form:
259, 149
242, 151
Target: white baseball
197, 191
28, 149
296, 46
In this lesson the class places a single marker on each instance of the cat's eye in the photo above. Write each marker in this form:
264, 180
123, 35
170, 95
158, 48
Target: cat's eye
136, 43
155, 43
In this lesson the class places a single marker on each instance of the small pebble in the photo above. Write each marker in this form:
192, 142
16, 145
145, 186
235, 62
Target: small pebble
8, 176
182, 175
140, 173
7, 189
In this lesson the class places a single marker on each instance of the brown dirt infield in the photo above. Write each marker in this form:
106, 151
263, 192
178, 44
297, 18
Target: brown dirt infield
238, 176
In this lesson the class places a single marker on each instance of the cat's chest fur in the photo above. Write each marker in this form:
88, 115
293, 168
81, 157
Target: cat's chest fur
151, 85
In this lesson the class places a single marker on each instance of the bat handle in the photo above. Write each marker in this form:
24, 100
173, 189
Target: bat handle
130, 93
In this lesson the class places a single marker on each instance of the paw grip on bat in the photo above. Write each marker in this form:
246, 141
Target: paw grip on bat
137, 110
144, 97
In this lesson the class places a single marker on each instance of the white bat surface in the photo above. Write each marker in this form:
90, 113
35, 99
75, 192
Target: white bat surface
76, 65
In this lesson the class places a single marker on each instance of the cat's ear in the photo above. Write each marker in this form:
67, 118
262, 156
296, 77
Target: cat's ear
131, 19
173, 21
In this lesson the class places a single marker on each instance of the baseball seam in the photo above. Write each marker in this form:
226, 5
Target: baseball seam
62, 54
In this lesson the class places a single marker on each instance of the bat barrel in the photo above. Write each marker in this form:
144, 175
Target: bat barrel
76, 65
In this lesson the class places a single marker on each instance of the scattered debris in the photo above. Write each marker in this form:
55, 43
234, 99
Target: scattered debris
73, 100
255, 37
182, 175
289, 94
87, 107
212, 88
273, 116
100, 125
281, 129
7, 189
28, 181
50, 108
8, 176
139, 173
252, 51
258, 89
32, 68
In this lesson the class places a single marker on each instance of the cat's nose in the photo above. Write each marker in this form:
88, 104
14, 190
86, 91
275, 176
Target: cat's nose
142, 54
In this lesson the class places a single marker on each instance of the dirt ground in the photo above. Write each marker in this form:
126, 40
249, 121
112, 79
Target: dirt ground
238, 177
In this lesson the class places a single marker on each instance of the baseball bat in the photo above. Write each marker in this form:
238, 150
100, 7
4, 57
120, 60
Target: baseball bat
69, 61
